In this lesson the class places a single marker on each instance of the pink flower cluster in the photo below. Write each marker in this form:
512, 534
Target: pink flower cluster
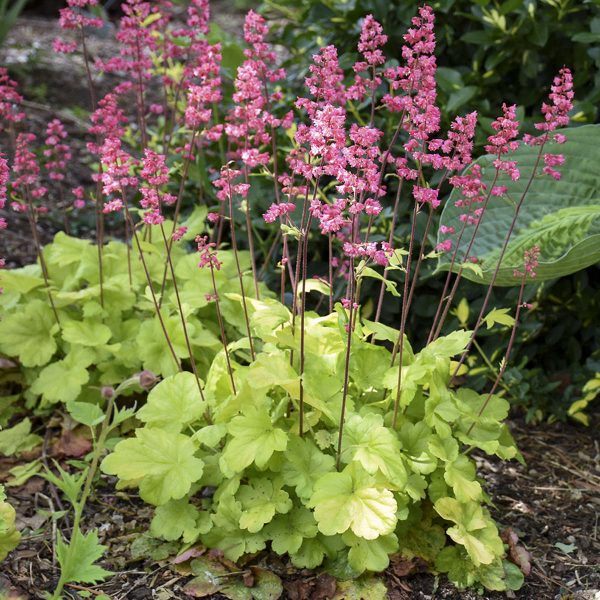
530, 263
371, 40
556, 115
208, 255
226, 186
207, 91
26, 170
379, 253
10, 99
276, 211
57, 152
504, 141
156, 173
75, 17
116, 175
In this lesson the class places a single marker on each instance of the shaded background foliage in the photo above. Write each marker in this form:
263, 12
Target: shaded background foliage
488, 52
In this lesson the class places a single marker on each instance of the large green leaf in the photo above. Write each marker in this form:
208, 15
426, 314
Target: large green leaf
561, 217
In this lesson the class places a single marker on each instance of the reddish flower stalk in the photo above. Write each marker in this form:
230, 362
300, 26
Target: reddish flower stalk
227, 189
530, 264
209, 257
555, 115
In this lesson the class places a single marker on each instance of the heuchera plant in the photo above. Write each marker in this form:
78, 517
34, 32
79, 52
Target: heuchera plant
322, 436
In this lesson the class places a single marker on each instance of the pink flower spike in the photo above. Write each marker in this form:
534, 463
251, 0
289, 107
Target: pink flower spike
426, 196
444, 246
561, 96
179, 233
10, 99
208, 257
61, 46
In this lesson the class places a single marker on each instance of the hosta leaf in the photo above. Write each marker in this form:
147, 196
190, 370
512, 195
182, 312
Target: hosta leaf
260, 500
349, 500
77, 558
173, 403
29, 334
304, 464
561, 217
163, 462
253, 440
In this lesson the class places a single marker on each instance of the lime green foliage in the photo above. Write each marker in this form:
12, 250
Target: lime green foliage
396, 490
9, 536
561, 217
98, 346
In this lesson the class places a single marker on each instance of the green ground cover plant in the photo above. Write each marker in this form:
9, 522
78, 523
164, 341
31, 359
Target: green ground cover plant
280, 417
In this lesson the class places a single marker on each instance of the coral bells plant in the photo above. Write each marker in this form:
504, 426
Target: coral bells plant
298, 424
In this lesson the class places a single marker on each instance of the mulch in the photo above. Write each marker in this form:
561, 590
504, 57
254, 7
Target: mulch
552, 503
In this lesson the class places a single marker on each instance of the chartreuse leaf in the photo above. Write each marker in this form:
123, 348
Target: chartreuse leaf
481, 430
18, 439
561, 217
9, 536
414, 439
23, 280
473, 529
174, 403
460, 474
85, 412
179, 519
260, 500
447, 346
288, 532
163, 462
375, 447
61, 381
86, 333
315, 549
153, 348
499, 576
77, 558
351, 500
363, 588
499, 315
69, 484
226, 533
370, 555
304, 464
254, 438
29, 334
